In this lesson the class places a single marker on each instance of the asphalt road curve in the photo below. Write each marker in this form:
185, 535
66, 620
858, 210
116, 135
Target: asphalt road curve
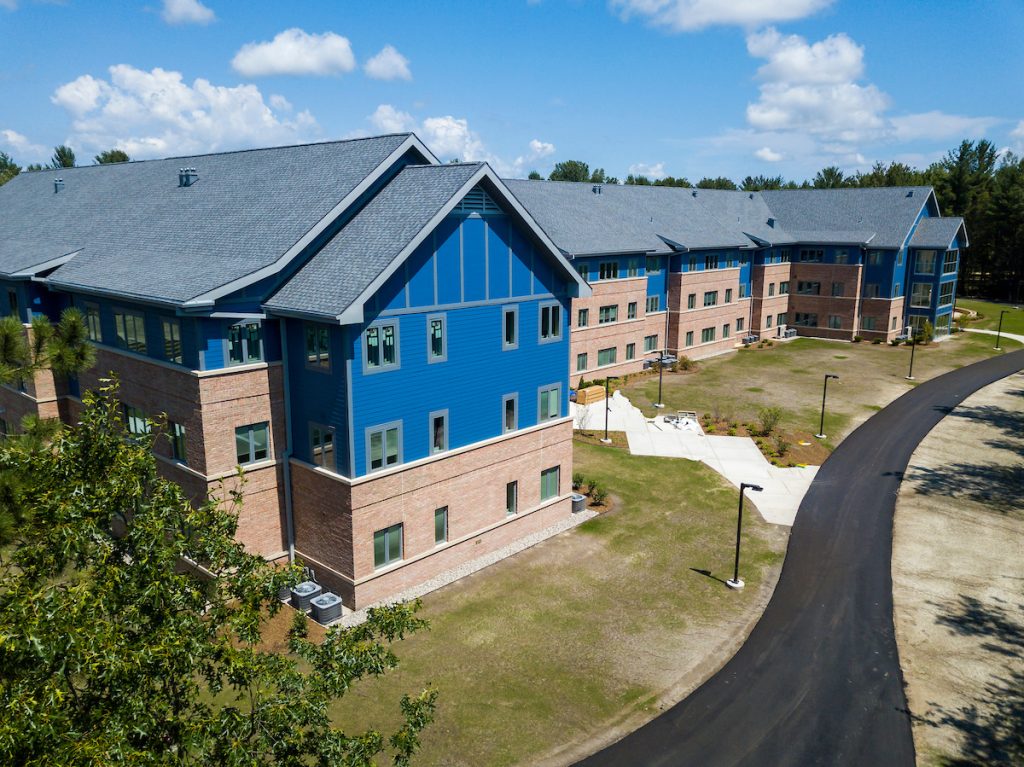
818, 681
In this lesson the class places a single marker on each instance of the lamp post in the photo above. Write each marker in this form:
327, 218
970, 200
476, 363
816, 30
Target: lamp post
999, 332
913, 345
661, 370
735, 582
607, 382
824, 392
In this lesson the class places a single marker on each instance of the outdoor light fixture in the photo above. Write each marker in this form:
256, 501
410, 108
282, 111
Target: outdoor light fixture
735, 582
824, 392
661, 369
999, 331
607, 381
913, 345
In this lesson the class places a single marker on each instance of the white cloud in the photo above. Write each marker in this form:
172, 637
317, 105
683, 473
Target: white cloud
1018, 132
10, 5
186, 12
938, 125
295, 52
279, 102
451, 137
156, 113
768, 154
655, 171
390, 120
689, 15
389, 64
20, 146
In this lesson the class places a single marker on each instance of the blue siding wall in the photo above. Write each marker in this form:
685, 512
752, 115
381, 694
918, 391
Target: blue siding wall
882, 273
657, 282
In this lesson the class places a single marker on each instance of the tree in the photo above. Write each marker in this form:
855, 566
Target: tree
598, 176
570, 170
632, 180
535, 176
681, 181
8, 168
721, 182
830, 178
131, 624
108, 156
64, 348
63, 157
759, 183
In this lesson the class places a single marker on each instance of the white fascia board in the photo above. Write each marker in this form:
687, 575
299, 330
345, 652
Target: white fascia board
53, 263
961, 228
205, 299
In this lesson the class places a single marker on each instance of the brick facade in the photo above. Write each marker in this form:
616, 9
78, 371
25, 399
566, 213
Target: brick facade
684, 320
591, 339
768, 301
843, 280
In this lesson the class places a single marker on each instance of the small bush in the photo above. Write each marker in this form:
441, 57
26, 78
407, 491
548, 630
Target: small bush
590, 484
685, 363
857, 339
711, 429
877, 341
782, 445
894, 342
577, 480
598, 494
769, 418
734, 424
732, 431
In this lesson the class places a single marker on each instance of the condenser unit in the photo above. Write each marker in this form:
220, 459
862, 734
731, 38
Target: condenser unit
326, 607
304, 593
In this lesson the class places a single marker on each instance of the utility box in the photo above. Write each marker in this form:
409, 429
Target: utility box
326, 607
304, 593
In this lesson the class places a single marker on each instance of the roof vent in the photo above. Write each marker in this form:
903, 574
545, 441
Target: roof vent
58, 184
596, 189
694, 192
187, 176
910, 193
771, 222
477, 201
751, 195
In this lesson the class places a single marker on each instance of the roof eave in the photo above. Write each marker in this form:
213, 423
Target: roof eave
31, 271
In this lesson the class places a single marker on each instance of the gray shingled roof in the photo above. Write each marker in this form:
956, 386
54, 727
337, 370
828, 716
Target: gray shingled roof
846, 216
621, 218
936, 233
346, 266
744, 212
142, 235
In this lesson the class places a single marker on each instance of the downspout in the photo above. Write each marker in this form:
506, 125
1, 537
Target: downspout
287, 458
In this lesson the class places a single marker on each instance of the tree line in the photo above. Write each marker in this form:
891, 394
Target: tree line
63, 157
974, 181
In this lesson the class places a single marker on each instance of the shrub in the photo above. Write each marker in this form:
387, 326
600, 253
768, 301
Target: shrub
577, 480
926, 334
768, 418
857, 339
877, 341
894, 342
732, 431
711, 429
685, 363
782, 445
598, 494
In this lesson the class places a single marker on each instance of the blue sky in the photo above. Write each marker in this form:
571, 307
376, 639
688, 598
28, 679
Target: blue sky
679, 87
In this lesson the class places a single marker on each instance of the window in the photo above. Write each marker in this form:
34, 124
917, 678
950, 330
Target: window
710, 298
945, 293
653, 265
607, 314
784, 287
549, 483
510, 328
808, 288
387, 546
607, 356
381, 346
631, 309
728, 295
510, 411
837, 289
771, 289
131, 331
806, 320
842, 256
871, 290
440, 525
811, 255
12, 300
725, 330
925, 262
318, 354
549, 405
584, 271
135, 422
653, 304
896, 290
384, 446
899, 258
693, 264
252, 443
707, 335
949, 262
630, 351
743, 290
942, 325
781, 319
511, 498
834, 321
739, 324
784, 256
633, 267
582, 318
172, 339
550, 322
768, 321
651, 343
437, 338
874, 257
581, 362
691, 301
321, 440
689, 338
608, 270
176, 434
438, 431
867, 323
92, 322
921, 297
711, 262
245, 343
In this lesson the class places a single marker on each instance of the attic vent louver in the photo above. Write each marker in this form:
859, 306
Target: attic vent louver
187, 176
596, 189
58, 184
477, 201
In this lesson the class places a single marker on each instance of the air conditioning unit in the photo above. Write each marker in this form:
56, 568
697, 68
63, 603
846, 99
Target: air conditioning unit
304, 593
326, 607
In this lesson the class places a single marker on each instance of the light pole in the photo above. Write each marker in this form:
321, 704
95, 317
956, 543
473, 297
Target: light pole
999, 332
824, 392
661, 370
607, 382
913, 345
735, 582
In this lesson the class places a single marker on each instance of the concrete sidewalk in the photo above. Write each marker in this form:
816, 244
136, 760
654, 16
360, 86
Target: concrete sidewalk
1004, 334
736, 458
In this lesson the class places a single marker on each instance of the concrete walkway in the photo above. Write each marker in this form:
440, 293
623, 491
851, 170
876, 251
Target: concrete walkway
736, 458
1004, 334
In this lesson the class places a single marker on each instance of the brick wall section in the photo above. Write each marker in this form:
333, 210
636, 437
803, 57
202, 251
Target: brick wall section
595, 336
683, 319
768, 306
883, 310
845, 306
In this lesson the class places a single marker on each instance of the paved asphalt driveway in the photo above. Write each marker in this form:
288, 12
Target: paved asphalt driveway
818, 682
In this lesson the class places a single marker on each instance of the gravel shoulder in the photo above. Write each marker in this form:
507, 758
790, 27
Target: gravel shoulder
958, 582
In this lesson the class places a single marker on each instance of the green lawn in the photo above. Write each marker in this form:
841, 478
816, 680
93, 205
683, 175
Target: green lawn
790, 376
586, 631
988, 319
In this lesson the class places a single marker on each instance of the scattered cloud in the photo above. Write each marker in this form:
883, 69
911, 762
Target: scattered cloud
295, 52
10, 5
279, 102
1018, 132
538, 153
691, 15
21, 147
939, 125
389, 64
653, 172
186, 12
156, 113
768, 154
387, 119
451, 137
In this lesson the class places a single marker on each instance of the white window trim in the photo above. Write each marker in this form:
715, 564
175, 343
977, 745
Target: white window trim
384, 427
554, 337
557, 388
430, 429
506, 310
431, 359
382, 368
514, 397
